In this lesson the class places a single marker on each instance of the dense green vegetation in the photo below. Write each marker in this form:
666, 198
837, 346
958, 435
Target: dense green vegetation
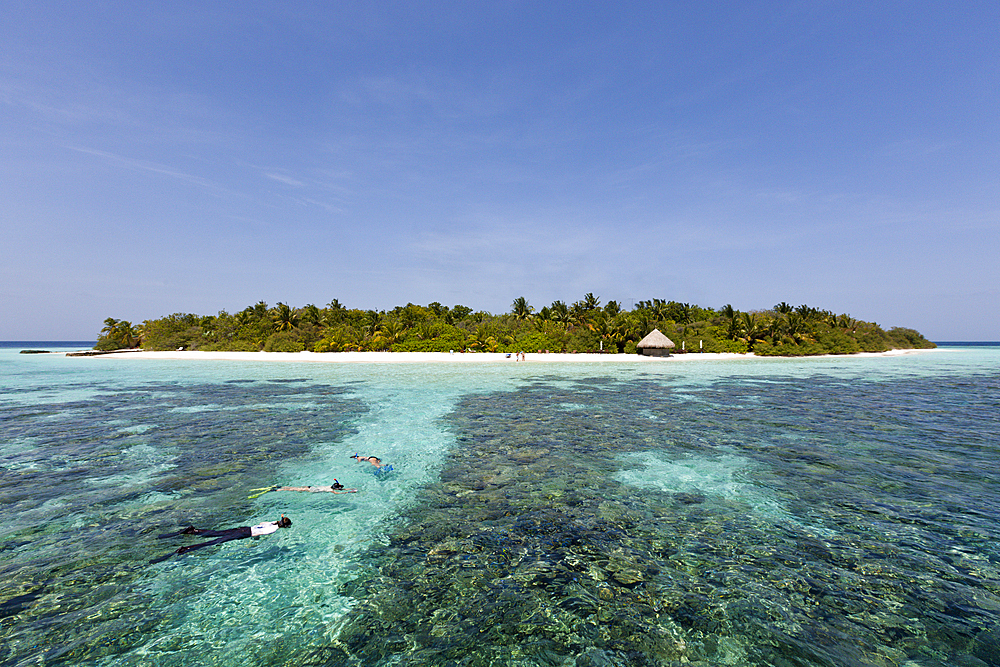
584, 326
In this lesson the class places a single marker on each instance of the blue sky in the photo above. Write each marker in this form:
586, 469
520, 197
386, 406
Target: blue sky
194, 157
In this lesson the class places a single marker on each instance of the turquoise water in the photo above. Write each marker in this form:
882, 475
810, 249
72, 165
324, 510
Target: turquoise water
834, 511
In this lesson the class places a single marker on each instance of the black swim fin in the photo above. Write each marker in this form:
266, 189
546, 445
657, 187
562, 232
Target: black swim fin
161, 558
190, 530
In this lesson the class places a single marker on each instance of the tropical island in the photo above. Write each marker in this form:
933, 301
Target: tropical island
584, 326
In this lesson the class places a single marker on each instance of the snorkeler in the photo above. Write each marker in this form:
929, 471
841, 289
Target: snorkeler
336, 487
243, 532
381, 469
374, 460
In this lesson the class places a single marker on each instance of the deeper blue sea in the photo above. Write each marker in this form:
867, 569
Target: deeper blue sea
832, 511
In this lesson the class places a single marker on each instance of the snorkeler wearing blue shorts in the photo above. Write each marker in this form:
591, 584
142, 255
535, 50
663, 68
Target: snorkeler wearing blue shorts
375, 461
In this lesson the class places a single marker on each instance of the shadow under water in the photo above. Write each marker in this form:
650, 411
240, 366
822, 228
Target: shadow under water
540, 545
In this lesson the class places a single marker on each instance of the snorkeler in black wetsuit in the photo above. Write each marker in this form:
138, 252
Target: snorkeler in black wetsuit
243, 532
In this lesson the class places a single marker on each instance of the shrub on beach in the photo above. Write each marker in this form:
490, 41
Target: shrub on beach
534, 341
728, 346
704, 337
173, 332
447, 341
339, 338
284, 341
908, 339
583, 340
238, 345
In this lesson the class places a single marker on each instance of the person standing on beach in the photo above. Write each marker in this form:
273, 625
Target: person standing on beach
227, 535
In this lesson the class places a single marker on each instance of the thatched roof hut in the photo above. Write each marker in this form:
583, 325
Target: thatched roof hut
655, 344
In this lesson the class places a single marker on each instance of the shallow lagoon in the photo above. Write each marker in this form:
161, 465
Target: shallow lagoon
835, 511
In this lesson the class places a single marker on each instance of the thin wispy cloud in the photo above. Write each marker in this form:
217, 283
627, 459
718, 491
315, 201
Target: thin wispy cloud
143, 165
287, 180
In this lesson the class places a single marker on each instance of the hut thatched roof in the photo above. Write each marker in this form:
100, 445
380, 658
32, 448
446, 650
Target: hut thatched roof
655, 340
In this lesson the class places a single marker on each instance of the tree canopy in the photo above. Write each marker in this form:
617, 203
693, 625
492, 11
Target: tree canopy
584, 326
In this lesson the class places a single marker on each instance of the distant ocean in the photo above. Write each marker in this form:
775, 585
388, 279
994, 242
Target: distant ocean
818, 511
60, 345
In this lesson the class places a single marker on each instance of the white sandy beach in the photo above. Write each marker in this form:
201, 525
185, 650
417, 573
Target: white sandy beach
456, 357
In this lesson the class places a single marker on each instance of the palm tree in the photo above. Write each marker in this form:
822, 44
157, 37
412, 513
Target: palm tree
390, 333
244, 318
783, 308
639, 323
620, 329
583, 310
611, 328
751, 328
602, 325
332, 313
807, 312
847, 322
684, 311
110, 326
483, 339
135, 334
457, 313
793, 325
657, 309
560, 313
125, 334
410, 314
521, 309
208, 325
426, 330
285, 318
334, 340
732, 321
311, 315
372, 323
